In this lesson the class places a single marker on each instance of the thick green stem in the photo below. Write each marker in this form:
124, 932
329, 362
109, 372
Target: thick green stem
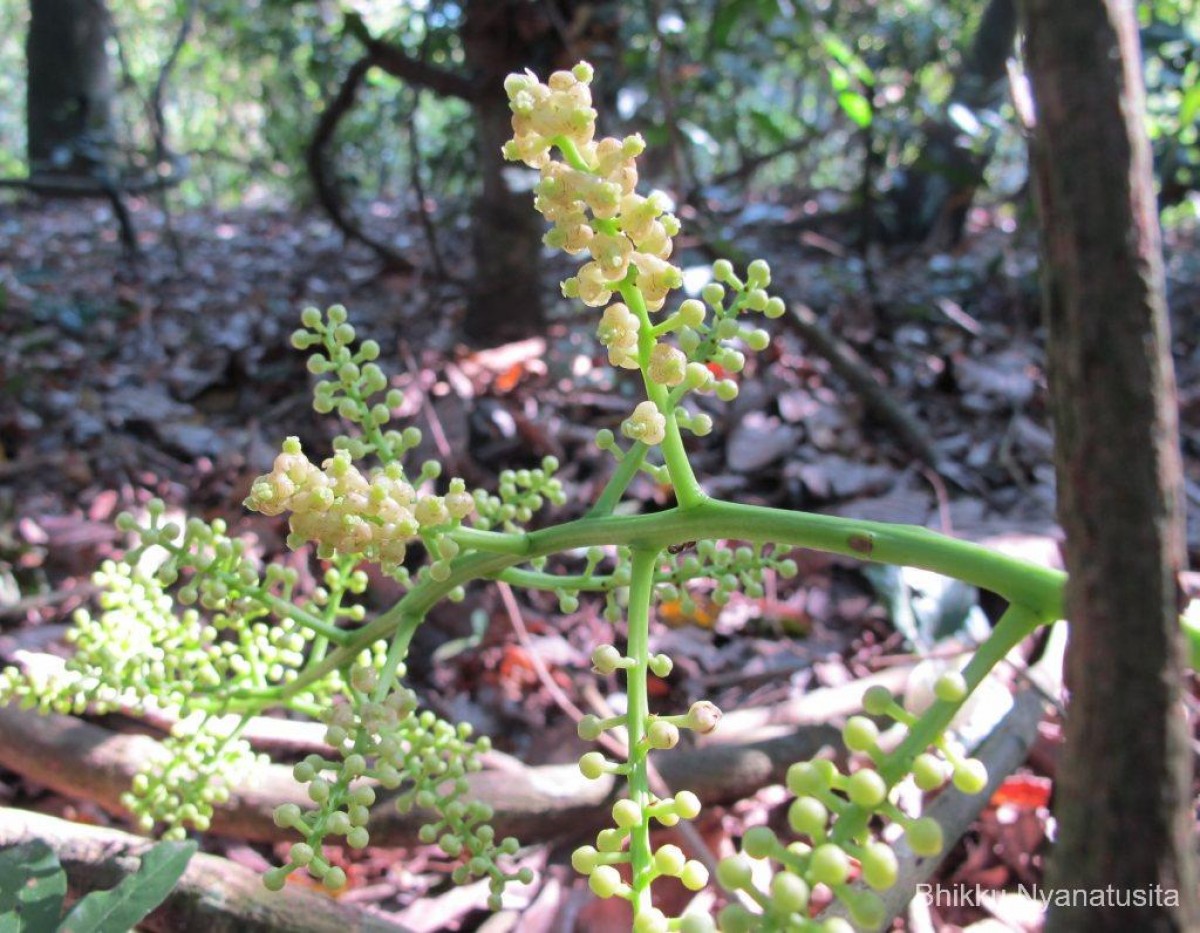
641, 590
1038, 588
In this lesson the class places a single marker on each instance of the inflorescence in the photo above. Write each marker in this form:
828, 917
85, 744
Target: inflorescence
190, 623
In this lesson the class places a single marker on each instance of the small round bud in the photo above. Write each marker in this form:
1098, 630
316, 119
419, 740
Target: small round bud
712, 294
734, 873
703, 716
759, 274
583, 859
830, 865
627, 814
925, 836
694, 875
759, 841
929, 772
971, 776
334, 879
789, 893
687, 805
662, 735
866, 909
606, 659
879, 866
810, 777
722, 270
775, 308
866, 788
589, 728
808, 817
951, 687
605, 881
860, 734
592, 765
877, 701
692, 313
669, 860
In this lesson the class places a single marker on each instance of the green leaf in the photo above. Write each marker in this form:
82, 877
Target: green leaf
1190, 107
926, 607
856, 107
32, 888
119, 910
845, 56
724, 20
768, 124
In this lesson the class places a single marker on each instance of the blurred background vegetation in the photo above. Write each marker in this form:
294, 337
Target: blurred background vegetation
901, 110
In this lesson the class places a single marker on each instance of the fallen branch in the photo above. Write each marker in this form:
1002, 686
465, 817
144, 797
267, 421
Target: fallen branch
214, 894
81, 760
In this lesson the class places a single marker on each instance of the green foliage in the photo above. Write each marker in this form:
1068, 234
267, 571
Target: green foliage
33, 887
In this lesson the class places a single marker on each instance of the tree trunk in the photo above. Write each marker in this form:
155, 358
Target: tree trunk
1125, 780
505, 298
931, 200
69, 101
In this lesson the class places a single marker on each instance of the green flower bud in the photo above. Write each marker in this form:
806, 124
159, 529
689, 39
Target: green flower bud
877, 701
759, 842
880, 868
694, 876
789, 893
925, 837
670, 861
808, 817
860, 734
971, 777
929, 772
627, 814
605, 881
866, 788
734, 873
583, 859
829, 865
951, 687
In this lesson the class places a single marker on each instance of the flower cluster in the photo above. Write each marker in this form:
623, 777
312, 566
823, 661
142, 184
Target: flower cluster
344, 511
195, 770
834, 811
388, 743
625, 230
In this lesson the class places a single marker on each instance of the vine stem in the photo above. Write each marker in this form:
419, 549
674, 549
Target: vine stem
641, 589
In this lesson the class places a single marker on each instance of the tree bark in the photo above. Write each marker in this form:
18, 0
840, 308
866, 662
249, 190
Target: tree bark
1125, 781
505, 297
69, 97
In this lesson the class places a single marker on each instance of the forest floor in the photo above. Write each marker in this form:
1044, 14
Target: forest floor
172, 376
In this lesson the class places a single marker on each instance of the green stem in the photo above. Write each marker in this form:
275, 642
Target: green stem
1015, 624
615, 488
687, 487
1038, 588
537, 580
641, 590
494, 542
